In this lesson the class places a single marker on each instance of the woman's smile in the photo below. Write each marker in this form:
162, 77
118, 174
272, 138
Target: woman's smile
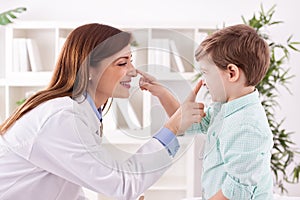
126, 84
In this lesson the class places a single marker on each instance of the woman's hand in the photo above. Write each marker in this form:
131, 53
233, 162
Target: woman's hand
188, 113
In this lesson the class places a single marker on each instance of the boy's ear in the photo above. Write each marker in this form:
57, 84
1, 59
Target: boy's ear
233, 72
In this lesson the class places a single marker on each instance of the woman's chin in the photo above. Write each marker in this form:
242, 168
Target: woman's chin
121, 96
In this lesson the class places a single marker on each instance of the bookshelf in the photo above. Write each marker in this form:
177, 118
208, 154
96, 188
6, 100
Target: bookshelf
2, 52
2, 100
174, 72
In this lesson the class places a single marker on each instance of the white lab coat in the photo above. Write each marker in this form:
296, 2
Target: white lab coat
54, 150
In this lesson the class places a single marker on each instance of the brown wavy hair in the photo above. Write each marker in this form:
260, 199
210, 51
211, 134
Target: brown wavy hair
85, 47
240, 45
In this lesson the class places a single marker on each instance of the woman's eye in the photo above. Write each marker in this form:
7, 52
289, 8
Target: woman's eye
122, 64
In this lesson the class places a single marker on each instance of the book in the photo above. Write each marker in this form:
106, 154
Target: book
176, 57
16, 56
34, 55
20, 56
159, 55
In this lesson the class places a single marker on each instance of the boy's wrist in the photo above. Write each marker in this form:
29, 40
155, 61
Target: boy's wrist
159, 91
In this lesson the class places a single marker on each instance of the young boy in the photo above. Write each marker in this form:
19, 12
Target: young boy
237, 153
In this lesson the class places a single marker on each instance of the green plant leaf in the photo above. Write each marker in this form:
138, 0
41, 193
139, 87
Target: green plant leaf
6, 17
278, 74
21, 101
4, 20
292, 47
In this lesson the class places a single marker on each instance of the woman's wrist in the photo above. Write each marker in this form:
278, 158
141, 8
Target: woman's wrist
171, 128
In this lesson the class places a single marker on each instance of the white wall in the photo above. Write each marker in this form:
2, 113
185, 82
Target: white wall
196, 13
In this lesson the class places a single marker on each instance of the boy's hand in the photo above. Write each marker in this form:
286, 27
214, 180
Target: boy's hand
188, 113
149, 83
166, 98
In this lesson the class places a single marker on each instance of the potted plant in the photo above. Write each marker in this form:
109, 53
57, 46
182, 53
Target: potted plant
284, 149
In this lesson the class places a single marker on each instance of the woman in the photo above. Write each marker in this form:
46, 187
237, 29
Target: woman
50, 146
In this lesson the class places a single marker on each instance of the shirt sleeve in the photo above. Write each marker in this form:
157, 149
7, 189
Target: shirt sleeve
246, 157
169, 140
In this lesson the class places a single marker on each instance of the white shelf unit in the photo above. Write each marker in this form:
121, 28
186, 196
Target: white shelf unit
49, 36
2, 74
178, 182
2, 52
3, 101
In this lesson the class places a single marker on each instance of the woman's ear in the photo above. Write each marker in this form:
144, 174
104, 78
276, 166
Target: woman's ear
233, 72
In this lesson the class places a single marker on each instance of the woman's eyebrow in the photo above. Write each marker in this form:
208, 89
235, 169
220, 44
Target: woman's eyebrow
125, 57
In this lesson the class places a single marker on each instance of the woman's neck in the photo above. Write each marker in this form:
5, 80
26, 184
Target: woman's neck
99, 99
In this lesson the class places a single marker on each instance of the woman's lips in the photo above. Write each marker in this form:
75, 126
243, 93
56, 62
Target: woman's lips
125, 84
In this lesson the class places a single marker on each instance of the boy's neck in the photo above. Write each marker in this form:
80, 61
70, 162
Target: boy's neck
239, 92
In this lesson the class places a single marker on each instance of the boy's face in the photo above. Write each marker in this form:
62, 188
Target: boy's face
214, 79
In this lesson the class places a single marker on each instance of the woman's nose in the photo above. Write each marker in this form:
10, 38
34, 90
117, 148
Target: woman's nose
131, 71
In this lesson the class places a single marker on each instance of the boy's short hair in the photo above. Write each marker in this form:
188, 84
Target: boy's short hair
240, 45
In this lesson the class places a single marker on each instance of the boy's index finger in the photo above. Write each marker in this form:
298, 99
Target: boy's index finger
195, 91
198, 86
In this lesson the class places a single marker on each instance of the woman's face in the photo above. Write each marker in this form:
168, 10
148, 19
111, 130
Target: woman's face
113, 76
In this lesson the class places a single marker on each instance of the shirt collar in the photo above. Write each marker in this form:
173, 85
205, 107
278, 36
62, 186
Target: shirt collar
236, 104
97, 111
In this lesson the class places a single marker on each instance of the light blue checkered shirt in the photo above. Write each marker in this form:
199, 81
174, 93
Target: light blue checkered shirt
237, 152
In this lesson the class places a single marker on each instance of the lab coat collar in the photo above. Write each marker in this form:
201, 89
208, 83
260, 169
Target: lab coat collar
97, 111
